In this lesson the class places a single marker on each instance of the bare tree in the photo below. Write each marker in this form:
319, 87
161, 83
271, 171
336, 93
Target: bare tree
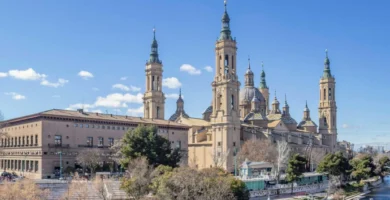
334, 184
90, 158
77, 190
317, 155
282, 158
22, 190
219, 157
100, 188
137, 179
257, 150
116, 153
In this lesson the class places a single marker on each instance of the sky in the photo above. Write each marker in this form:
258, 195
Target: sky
92, 54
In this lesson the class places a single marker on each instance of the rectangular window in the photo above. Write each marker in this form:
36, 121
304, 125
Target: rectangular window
90, 141
86, 126
110, 141
81, 125
234, 144
26, 140
330, 93
58, 140
219, 144
76, 125
101, 141
36, 140
178, 144
31, 140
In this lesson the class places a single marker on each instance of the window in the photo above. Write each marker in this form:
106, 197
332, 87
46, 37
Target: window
76, 125
103, 127
324, 94
158, 83
101, 141
81, 125
108, 127
325, 122
57, 139
26, 140
31, 140
90, 141
234, 144
173, 133
87, 126
178, 145
232, 62
152, 82
110, 141
219, 144
118, 128
158, 112
232, 102
330, 94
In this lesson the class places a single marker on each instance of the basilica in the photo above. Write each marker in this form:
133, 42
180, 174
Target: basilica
241, 112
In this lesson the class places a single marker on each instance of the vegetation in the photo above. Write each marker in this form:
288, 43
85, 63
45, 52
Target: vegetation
90, 158
145, 142
362, 167
295, 169
22, 190
334, 164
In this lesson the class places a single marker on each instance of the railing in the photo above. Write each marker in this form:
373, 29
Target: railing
93, 146
58, 145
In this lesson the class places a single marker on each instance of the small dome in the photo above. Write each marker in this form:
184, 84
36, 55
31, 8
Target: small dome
249, 71
262, 74
306, 109
254, 99
248, 93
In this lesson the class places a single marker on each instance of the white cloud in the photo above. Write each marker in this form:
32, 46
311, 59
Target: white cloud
28, 74
95, 89
208, 68
56, 96
60, 83
3, 74
80, 106
125, 88
15, 95
118, 100
97, 111
190, 69
136, 111
345, 126
173, 96
124, 78
85, 74
171, 83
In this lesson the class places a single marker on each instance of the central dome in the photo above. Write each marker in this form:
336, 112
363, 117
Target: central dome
247, 94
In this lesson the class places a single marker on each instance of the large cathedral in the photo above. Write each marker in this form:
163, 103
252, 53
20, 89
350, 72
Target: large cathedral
239, 114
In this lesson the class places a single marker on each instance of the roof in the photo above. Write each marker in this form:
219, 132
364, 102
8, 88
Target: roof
177, 114
285, 119
195, 122
254, 116
273, 124
82, 115
307, 123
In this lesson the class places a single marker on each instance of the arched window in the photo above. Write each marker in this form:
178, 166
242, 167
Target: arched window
232, 101
324, 94
232, 62
226, 64
158, 83
325, 122
158, 112
330, 94
153, 83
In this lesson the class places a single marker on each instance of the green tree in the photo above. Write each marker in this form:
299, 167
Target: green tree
362, 167
335, 164
295, 169
144, 141
382, 162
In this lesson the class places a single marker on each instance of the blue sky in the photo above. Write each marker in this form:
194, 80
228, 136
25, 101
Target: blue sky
44, 45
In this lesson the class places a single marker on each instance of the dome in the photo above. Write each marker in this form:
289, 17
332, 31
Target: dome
249, 71
247, 93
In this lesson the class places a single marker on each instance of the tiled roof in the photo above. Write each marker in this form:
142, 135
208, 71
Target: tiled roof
307, 123
98, 117
286, 120
195, 122
254, 116
273, 124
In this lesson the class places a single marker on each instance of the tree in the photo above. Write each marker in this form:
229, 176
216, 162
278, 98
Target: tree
159, 177
99, 186
22, 190
381, 162
317, 155
295, 169
90, 158
137, 180
219, 157
335, 164
283, 153
77, 189
257, 150
144, 141
362, 167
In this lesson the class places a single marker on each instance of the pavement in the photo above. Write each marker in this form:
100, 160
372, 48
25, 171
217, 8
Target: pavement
289, 196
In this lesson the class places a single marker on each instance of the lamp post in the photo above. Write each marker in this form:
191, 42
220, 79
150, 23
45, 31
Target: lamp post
60, 152
235, 161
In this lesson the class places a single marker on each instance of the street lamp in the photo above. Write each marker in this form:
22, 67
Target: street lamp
235, 161
60, 152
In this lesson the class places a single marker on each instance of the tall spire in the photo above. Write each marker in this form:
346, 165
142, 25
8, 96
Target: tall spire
154, 50
249, 75
225, 32
327, 73
285, 100
249, 62
263, 83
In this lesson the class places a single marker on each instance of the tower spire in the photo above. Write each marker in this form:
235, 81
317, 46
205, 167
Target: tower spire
249, 75
154, 50
225, 32
327, 73
249, 62
263, 82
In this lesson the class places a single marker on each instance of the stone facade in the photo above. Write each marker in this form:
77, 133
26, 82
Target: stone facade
38, 139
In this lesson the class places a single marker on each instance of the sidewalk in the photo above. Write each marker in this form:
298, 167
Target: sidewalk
288, 196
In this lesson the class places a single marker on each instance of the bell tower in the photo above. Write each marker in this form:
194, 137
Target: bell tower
154, 99
327, 107
225, 118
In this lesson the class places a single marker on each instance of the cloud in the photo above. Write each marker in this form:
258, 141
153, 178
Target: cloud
60, 83
85, 74
345, 126
173, 96
123, 78
171, 82
136, 111
28, 74
56, 96
125, 88
190, 69
95, 89
80, 106
96, 111
208, 68
3, 74
118, 100
15, 95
